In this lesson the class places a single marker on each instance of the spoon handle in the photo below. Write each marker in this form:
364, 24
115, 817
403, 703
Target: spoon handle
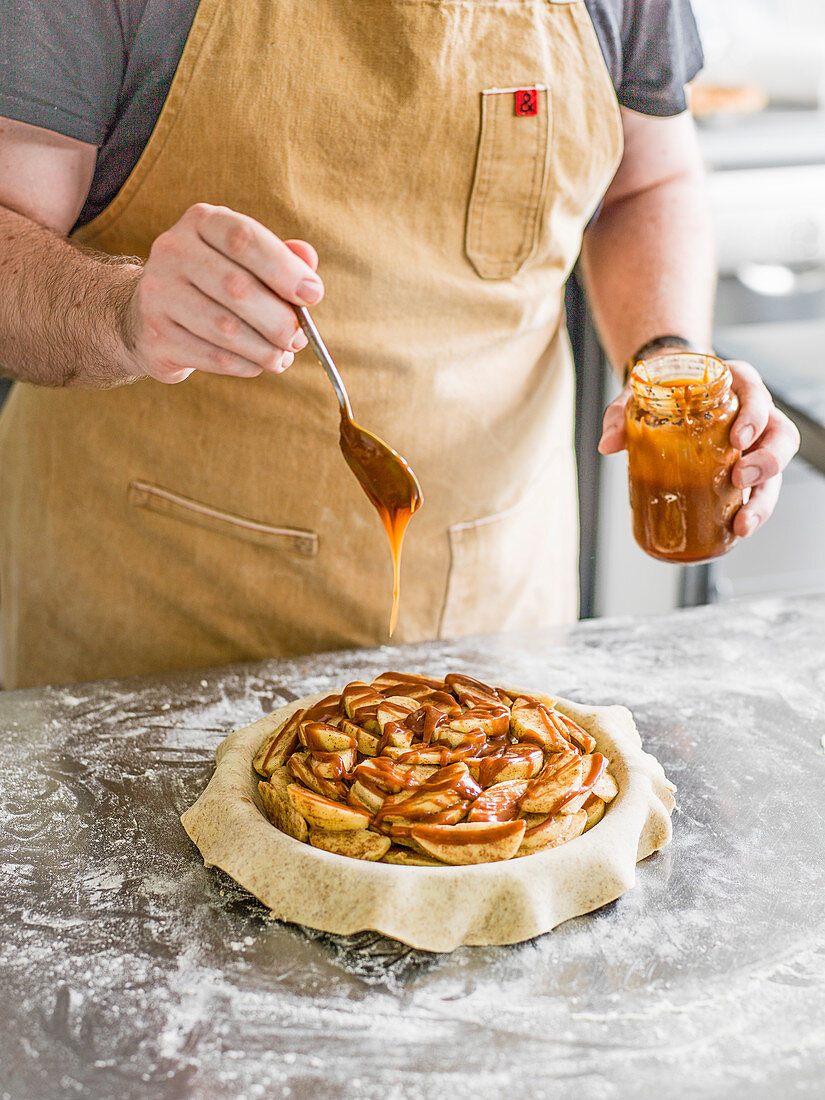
324, 358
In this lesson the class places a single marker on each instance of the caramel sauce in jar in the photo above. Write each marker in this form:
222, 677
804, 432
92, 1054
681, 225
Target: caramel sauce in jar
680, 457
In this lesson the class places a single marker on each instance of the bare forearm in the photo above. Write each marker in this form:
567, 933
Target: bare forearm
649, 265
63, 310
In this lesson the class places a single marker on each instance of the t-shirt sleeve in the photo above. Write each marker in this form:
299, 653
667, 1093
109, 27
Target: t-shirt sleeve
661, 53
62, 64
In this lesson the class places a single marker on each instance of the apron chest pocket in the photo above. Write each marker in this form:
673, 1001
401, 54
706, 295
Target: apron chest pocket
166, 503
510, 182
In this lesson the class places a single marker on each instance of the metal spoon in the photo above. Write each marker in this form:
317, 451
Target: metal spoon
384, 475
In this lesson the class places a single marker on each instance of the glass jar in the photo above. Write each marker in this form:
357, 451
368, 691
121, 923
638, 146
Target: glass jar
680, 457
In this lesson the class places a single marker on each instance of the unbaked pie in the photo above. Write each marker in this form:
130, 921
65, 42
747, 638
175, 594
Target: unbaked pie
418, 771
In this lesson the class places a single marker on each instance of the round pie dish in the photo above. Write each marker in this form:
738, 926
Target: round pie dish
435, 908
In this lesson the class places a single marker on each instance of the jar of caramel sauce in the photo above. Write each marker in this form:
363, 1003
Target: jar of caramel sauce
680, 457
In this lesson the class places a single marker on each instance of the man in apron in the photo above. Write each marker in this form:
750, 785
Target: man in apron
443, 160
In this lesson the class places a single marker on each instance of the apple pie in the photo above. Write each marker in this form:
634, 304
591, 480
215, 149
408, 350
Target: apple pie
417, 771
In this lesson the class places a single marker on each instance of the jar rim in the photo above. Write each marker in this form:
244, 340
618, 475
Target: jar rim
680, 382
655, 375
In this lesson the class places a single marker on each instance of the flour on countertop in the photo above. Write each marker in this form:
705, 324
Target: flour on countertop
130, 970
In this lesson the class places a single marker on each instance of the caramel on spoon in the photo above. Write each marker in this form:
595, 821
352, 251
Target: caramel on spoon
384, 475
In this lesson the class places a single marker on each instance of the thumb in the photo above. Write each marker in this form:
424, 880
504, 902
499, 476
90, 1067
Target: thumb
304, 251
613, 434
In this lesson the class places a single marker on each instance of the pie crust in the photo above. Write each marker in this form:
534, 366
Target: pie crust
436, 908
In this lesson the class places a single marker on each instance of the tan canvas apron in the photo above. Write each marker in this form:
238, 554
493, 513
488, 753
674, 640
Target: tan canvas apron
157, 527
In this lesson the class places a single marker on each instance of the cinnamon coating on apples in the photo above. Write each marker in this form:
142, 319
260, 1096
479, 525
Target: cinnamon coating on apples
418, 771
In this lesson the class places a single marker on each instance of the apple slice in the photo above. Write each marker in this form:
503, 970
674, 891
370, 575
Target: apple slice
332, 765
364, 795
419, 772
407, 681
365, 742
395, 736
278, 807
368, 743
572, 803
516, 762
356, 843
594, 767
396, 838
546, 793
491, 720
299, 768
391, 777
361, 704
441, 700
405, 857
451, 816
594, 808
556, 829
469, 842
434, 757
400, 830
537, 723
575, 734
499, 802
472, 693
324, 737
280, 741
395, 709
281, 779
384, 773
325, 710
409, 807
605, 787
323, 813
444, 735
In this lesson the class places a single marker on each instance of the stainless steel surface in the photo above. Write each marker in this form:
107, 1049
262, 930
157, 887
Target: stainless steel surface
324, 358
131, 971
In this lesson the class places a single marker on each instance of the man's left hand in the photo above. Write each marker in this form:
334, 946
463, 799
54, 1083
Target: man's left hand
766, 437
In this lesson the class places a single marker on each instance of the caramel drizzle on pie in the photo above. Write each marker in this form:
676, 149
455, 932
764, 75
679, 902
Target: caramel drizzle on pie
427, 772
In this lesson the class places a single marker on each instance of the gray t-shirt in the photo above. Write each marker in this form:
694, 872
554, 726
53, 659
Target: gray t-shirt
100, 70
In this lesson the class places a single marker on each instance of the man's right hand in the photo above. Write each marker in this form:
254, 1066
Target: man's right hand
215, 295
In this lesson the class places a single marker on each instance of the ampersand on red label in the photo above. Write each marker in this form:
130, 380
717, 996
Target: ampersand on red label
527, 101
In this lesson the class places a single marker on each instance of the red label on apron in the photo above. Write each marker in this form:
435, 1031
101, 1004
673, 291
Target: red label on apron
527, 101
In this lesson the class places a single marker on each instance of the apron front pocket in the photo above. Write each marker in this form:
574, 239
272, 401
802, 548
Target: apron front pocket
166, 503
510, 182
517, 569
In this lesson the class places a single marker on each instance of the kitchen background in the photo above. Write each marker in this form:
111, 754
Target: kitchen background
760, 103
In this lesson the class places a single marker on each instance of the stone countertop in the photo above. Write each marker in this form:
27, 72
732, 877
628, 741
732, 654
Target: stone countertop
131, 971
